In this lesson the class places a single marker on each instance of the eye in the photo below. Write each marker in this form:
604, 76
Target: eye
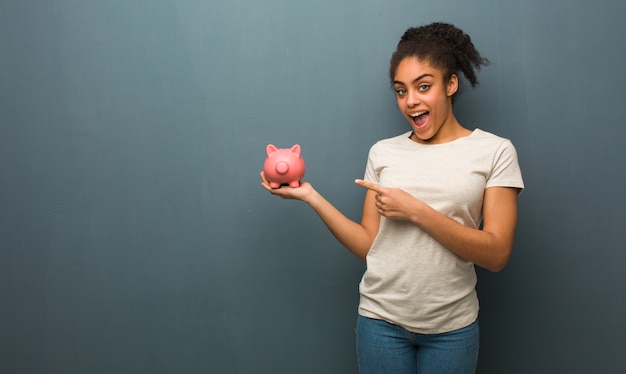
423, 87
400, 91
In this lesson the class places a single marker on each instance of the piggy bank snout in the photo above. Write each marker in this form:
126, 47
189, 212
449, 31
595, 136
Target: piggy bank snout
282, 167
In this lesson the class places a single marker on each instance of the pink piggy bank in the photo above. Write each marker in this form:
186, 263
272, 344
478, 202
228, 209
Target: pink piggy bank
284, 166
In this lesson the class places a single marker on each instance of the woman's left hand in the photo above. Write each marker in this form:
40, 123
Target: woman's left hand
392, 202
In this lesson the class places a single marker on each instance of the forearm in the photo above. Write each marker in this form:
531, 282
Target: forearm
480, 247
350, 234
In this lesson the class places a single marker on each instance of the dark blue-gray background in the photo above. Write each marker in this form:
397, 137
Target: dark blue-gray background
134, 234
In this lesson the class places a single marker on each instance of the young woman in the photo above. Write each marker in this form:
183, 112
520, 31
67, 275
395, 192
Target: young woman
428, 192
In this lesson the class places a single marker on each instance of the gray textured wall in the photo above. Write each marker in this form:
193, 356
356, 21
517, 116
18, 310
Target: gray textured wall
134, 235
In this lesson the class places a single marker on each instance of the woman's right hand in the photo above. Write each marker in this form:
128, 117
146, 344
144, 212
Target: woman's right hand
292, 193
355, 236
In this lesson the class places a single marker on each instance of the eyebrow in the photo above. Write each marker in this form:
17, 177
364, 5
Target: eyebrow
416, 79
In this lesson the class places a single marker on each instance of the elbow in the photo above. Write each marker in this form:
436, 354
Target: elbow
493, 265
497, 255
496, 267
498, 263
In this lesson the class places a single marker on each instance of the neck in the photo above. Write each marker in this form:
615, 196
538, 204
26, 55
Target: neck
449, 131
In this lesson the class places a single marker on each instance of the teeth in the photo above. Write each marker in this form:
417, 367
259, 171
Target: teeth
417, 114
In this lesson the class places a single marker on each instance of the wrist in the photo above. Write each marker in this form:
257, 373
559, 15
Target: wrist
419, 213
312, 197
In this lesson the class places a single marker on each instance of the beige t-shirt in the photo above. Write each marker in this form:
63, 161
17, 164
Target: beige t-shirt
411, 280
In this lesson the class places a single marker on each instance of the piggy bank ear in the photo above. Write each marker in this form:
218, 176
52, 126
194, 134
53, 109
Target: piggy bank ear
270, 149
296, 149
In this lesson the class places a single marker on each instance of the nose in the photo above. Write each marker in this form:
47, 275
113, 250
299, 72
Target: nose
412, 98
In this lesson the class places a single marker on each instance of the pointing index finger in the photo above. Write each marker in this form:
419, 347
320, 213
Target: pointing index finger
369, 185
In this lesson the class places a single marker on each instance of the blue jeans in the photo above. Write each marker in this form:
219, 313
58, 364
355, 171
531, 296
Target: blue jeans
385, 348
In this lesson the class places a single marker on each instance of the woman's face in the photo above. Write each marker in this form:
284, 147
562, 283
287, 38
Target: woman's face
425, 99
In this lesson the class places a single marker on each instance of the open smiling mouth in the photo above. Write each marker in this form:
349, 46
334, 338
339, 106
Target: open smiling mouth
419, 118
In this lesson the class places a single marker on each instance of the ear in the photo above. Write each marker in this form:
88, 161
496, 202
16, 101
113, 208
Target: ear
270, 149
296, 149
453, 85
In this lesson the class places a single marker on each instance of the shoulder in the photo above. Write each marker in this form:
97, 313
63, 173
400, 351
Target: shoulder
488, 143
392, 142
488, 138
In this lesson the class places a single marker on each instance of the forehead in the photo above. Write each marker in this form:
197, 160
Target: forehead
411, 68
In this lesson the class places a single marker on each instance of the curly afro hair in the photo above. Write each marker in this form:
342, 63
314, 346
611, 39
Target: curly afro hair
444, 46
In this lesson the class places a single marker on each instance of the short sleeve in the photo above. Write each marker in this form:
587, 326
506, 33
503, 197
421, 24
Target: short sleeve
372, 174
506, 171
